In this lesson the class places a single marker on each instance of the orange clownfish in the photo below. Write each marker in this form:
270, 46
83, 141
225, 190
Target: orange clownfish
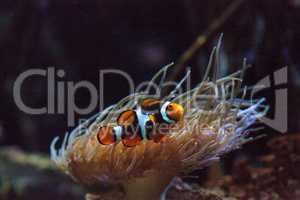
133, 126
128, 130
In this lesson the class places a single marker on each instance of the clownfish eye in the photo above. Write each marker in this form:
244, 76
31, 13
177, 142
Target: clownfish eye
170, 107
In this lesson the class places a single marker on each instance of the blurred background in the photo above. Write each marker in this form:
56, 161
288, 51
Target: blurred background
138, 37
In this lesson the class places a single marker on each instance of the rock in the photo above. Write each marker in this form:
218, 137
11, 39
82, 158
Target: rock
33, 176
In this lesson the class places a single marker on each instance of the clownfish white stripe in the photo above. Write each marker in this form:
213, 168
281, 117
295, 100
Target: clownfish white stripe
142, 120
163, 112
118, 132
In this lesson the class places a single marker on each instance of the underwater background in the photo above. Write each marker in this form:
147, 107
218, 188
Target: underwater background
83, 37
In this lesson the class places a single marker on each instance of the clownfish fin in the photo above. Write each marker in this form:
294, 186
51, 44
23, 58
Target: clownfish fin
150, 127
150, 104
127, 117
106, 135
159, 138
131, 142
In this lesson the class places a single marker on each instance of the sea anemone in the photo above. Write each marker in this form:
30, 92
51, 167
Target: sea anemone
216, 120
